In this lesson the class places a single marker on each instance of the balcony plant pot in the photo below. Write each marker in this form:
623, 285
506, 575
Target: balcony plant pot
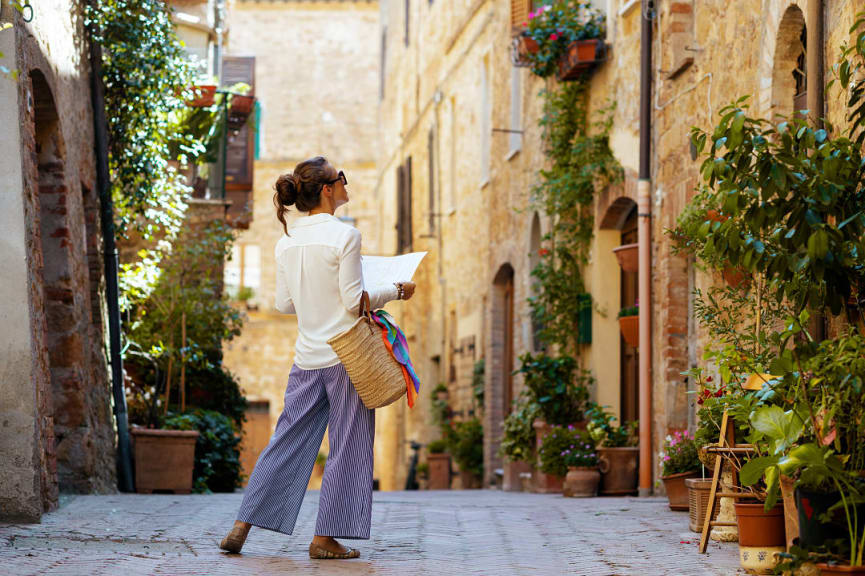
580, 56
761, 536
581, 482
677, 492
698, 502
630, 327
239, 110
618, 468
204, 96
164, 460
628, 256
439, 471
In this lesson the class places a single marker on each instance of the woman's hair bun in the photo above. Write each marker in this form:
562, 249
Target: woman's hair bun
287, 187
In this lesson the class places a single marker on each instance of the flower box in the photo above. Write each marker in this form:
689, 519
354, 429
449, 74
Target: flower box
630, 326
522, 46
580, 56
164, 460
628, 256
204, 96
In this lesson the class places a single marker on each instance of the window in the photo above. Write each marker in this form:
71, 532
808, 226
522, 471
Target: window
515, 138
403, 207
242, 273
485, 123
431, 184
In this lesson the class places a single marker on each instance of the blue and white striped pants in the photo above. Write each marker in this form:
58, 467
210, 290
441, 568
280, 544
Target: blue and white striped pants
315, 399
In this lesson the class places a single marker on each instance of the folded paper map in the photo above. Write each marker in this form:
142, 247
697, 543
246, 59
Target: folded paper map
380, 272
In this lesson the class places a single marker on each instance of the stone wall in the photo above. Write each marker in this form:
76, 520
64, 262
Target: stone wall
57, 427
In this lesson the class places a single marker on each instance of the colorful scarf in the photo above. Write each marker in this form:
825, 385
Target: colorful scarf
395, 342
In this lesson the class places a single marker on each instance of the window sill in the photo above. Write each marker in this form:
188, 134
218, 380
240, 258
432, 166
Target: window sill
512, 153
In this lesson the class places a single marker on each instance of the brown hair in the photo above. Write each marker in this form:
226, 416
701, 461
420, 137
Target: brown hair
302, 187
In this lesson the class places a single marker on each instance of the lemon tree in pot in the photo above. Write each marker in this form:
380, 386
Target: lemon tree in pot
679, 462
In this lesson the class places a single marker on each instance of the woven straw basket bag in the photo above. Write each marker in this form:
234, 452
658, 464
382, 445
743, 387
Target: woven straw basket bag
373, 370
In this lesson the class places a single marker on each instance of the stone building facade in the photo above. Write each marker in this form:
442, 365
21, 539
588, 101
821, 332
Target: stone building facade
56, 430
449, 92
316, 81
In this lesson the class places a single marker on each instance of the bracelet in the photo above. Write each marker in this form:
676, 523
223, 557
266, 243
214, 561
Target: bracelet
400, 291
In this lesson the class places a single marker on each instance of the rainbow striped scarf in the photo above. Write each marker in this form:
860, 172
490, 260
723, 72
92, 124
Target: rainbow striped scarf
395, 341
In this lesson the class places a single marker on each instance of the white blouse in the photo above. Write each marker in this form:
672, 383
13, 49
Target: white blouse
319, 278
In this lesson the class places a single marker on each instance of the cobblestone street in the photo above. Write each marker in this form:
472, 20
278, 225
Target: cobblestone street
464, 532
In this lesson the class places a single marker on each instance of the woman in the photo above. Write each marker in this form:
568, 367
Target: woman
318, 278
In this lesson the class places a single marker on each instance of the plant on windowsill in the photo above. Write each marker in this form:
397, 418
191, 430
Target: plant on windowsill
554, 26
629, 324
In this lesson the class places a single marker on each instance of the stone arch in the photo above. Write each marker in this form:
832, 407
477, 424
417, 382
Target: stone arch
788, 78
500, 364
782, 23
617, 213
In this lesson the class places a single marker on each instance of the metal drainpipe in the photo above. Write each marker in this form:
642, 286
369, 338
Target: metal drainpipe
103, 182
644, 233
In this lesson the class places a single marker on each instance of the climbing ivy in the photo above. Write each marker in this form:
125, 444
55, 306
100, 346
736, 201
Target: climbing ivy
580, 162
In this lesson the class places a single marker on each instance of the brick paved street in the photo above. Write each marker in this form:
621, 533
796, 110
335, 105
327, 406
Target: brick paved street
456, 533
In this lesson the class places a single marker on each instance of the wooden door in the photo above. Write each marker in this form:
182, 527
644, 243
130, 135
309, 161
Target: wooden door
508, 355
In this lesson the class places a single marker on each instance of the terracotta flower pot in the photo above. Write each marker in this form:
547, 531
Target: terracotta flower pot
513, 475
164, 460
581, 482
841, 569
628, 256
469, 481
698, 502
439, 471
580, 56
544, 483
630, 327
677, 492
618, 468
758, 527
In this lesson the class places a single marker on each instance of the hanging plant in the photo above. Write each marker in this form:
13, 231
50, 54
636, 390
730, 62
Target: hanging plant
553, 27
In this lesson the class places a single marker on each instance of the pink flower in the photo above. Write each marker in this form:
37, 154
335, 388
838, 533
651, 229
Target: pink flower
554, 36
531, 15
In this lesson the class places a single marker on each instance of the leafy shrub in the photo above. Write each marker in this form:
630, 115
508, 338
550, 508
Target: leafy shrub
604, 433
552, 383
679, 454
217, 456
629, 311
518, 440
466, 443
422, 470
582, 455
437, 447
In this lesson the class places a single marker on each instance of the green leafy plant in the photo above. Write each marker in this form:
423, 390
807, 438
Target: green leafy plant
437, 446
582, 455
518, 438
554, 384
580, 162
553, 26
629, 311
478, 384
679, 454
217, 456
602, 431
422, 470
466, 445
556, 443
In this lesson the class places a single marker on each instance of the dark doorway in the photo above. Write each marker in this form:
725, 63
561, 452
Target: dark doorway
628, 356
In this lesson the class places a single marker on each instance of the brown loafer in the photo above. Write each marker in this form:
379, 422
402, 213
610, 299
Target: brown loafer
318, 553
235, 539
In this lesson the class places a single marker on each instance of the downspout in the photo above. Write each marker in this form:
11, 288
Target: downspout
644, 234
103, 182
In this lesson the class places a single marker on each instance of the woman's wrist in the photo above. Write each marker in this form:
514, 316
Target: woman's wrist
400, 290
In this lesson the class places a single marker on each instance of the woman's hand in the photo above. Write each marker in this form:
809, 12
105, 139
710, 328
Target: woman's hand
407, 290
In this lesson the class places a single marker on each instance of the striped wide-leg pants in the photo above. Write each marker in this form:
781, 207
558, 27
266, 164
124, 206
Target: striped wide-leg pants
315, 399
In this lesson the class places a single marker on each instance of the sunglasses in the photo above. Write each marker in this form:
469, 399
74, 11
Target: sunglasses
340, 176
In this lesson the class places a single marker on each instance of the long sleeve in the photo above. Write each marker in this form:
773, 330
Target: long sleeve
351, 284
282, 301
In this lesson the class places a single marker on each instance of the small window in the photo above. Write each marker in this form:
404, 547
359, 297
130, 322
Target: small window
403, 206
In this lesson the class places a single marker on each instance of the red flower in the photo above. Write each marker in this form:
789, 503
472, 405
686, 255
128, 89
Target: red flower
543, 252
708, 379
554, 36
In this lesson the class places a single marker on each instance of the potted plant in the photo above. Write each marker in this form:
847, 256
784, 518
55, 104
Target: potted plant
617, 451
439, 462
554, 27
679, 462
629, 324
580, 55
164, 459
203, 96
628, 256
552, 456
561, 394
422, 471
466, 444
583, 475
518, 443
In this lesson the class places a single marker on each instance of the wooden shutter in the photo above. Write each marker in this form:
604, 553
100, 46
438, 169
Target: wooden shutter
519, 12
240, 155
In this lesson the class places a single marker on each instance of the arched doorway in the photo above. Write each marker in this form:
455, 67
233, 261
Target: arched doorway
500, 395
788, 68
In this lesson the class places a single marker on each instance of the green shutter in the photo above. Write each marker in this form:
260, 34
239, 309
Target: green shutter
584, 303
257, 128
